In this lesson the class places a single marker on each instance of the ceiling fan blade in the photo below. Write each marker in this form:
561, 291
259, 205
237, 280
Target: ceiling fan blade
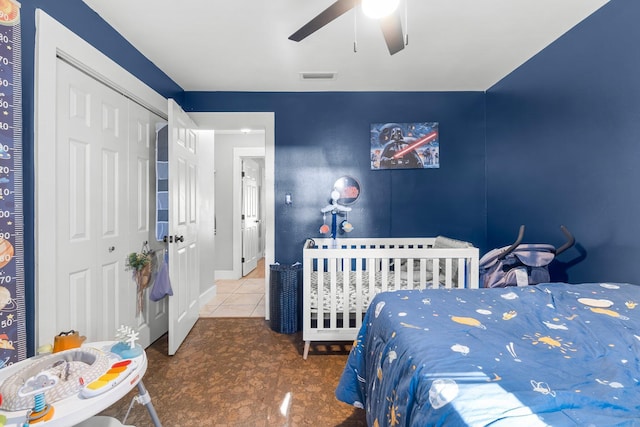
392, 30
334, 11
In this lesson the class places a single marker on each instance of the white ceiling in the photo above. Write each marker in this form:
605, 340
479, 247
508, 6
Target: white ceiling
242, 45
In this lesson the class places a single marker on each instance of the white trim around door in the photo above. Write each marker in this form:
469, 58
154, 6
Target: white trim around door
53, 41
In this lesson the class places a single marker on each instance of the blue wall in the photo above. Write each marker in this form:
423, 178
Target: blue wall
319, 137
322, 136
563, 147
561, 136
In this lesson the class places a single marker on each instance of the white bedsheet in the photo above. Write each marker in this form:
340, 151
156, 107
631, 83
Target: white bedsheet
367, 293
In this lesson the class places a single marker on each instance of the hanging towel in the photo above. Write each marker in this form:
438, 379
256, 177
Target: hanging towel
162, 284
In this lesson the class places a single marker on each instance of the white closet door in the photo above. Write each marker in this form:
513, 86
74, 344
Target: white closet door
93, 291
184, 268
153, 321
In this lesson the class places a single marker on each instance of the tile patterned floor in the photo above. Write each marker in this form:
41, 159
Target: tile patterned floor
236, 298
239, 298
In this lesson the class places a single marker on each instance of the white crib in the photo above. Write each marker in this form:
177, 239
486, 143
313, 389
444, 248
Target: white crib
334, 312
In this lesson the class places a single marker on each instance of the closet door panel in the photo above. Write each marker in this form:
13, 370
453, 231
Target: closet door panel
91, 244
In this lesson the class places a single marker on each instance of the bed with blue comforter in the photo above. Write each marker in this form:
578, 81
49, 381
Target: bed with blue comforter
547, 355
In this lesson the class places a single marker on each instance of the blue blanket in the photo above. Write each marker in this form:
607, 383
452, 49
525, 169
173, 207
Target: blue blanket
546, 355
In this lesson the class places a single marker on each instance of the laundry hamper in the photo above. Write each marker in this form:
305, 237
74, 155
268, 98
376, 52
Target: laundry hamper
285, 293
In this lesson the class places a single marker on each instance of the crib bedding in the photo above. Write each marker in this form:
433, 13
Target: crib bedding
339, 294
545, 355
367, 291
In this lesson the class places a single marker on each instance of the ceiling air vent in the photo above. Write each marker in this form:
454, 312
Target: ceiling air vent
318, 75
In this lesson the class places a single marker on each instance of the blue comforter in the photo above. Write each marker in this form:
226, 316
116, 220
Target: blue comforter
546, 355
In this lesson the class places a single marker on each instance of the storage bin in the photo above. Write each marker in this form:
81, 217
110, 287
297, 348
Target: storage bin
285, 298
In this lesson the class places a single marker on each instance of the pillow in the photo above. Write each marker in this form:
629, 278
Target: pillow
440, 242
443, 242
446, 242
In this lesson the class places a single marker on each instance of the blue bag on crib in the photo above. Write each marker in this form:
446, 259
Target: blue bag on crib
162, 284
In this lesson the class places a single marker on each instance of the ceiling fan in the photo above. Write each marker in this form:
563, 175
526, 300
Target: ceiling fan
391, 24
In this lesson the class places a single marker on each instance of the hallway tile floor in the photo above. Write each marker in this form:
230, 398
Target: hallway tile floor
237, 298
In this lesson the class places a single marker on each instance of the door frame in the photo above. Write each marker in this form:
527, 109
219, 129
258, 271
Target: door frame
54, 40
238, 154
251, 120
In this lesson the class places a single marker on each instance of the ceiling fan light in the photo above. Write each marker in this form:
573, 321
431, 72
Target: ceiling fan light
377, 9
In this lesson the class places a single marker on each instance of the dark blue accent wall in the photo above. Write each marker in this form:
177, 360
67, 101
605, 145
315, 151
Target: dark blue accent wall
322, 136
563, 136
555, 142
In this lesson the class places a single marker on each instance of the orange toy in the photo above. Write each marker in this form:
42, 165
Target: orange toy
67, 340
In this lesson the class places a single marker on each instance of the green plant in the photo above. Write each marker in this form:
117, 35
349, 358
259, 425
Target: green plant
137, 261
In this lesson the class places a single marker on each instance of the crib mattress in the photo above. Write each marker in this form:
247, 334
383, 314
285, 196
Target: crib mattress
367, 292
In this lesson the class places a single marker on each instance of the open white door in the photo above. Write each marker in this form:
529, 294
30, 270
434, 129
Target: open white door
183, 226
250, 216
152, 322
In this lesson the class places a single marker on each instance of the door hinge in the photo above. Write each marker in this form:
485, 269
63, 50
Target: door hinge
242, 259
243, 217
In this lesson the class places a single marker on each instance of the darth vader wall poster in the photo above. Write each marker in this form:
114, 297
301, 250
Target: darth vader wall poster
405, 146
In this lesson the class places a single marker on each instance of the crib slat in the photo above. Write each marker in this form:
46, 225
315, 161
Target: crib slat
373, 269
322, 265
410, 275
346, 286
333, 291
384, 271
448, 281
397, 263
435, 272
359, 296
307, 267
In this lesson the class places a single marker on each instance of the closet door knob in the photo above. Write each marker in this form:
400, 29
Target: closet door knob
179, 239
112, 248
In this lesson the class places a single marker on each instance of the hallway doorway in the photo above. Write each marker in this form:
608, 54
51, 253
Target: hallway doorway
239, 298
258, 272
264, 123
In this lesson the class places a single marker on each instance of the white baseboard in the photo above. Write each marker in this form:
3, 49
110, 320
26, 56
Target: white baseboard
227, 275
208, 295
